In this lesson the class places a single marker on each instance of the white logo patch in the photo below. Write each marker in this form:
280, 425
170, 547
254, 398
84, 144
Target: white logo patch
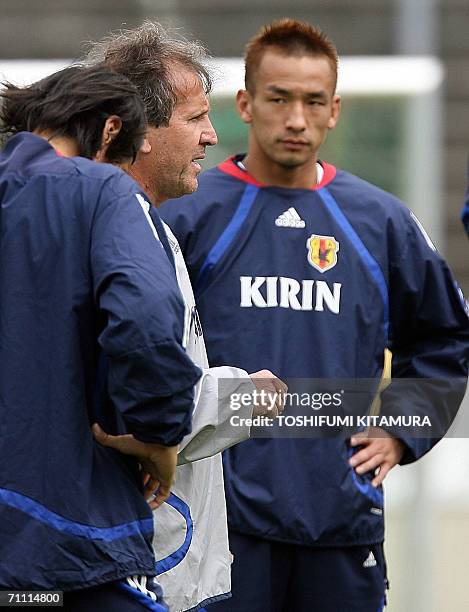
370, 561
290, 218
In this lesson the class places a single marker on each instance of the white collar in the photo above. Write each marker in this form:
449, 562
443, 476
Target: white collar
319, 170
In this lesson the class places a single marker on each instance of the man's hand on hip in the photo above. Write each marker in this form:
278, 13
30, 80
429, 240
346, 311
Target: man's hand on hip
379, 451
158, 463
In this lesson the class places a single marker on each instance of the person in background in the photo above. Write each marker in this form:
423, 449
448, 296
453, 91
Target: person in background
465, 212
314, 272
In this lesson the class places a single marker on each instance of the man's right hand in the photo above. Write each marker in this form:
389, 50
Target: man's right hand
158, 462
273, 390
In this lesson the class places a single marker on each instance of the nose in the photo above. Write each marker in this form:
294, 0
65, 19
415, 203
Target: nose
209, 136
296, 119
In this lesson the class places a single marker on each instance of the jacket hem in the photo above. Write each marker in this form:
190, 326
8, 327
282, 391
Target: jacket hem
318, 544
210, 600
107, 578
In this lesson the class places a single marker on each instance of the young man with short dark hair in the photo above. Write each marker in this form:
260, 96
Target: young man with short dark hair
315, 272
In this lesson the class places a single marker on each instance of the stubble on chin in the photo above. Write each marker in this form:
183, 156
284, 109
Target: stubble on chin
291, 161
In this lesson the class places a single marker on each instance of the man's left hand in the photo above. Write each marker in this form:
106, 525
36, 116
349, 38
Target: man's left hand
380, 451
158, 463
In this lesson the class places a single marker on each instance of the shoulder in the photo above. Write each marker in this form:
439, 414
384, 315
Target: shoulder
32, 157
100, 173
465, 213
385, 225
363, 202
348, 187
108, 182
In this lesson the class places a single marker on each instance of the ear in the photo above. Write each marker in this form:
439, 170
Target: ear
335, 112
145, 147
111, 129
243, 105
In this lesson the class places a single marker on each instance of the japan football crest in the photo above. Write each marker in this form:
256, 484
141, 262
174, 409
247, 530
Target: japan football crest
322, 252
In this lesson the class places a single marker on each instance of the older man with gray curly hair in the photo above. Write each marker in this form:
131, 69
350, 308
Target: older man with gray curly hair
173, 81
191, 540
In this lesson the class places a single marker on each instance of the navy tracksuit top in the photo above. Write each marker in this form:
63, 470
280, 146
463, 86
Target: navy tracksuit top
316, 283
91, 324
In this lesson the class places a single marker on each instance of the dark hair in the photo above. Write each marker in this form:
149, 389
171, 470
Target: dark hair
290, 37
76, 102
147, 55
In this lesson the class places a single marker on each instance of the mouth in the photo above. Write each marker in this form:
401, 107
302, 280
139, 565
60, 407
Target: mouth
195, 164
294, 144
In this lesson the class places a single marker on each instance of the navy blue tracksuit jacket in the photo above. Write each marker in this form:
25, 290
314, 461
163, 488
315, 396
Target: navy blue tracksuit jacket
91, 324
315, 284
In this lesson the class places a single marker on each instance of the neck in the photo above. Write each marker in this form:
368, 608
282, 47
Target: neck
139, 177
269, 172
62, 144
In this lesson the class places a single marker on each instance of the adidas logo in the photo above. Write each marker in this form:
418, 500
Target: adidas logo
290, 218
370, 561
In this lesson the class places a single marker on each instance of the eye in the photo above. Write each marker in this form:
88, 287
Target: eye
278, 100
199, 116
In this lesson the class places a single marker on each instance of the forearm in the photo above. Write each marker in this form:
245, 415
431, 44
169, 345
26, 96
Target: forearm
212, 429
